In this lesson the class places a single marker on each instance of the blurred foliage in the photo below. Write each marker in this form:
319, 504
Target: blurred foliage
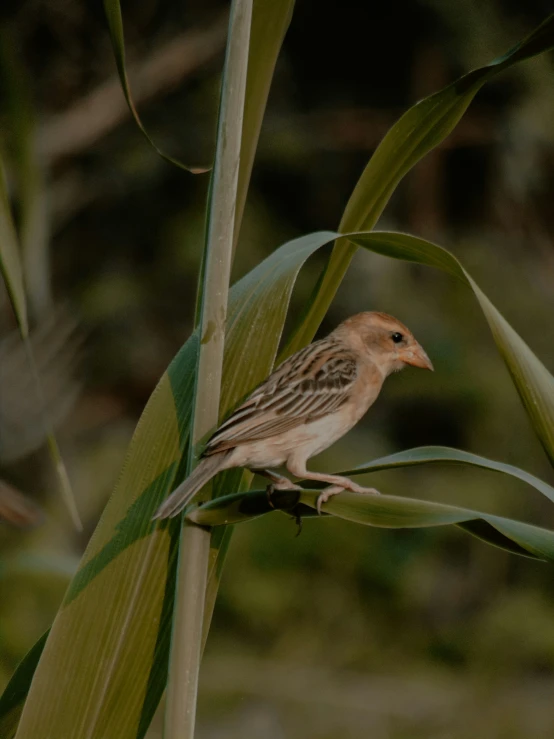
356, 631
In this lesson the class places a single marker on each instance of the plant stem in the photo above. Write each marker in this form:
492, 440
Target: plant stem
195, 542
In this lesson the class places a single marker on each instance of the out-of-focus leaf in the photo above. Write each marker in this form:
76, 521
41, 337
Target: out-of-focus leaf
10, 263
446, 455
115, 24
416, 133
31, 189
10, 266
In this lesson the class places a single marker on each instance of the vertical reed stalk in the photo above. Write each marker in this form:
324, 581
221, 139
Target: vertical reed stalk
194, 548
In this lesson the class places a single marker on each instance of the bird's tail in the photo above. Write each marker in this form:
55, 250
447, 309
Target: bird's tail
202, 473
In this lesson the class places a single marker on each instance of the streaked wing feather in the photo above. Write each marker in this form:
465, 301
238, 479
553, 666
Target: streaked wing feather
310, 384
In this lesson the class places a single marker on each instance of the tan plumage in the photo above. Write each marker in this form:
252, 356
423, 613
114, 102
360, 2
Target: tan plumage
306, 404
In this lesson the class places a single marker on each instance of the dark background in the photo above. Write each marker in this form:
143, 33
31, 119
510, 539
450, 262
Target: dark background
343, 631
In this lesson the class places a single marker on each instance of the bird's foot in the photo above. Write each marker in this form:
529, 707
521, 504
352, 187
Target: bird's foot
336, 489
327, 493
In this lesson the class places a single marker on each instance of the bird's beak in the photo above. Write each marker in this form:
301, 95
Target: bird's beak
416, 356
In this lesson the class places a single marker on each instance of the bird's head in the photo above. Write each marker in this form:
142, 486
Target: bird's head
389, 344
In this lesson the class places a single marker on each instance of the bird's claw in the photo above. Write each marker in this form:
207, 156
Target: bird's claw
336, 489
327, 493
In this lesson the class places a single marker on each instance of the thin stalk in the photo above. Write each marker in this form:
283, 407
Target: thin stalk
194, 547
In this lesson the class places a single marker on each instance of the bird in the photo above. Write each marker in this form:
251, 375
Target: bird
308, 402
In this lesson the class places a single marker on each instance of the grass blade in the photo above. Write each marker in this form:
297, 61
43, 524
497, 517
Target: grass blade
446, 455
112, 9
113, 684
270, 21
387, 511
417, 132
534, 383
382, 511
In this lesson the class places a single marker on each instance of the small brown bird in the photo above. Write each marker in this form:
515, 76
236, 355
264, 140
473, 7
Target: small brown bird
306, 404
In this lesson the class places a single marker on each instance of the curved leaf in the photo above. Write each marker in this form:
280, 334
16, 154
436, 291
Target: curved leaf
533, 381
382, 511
388, 511
446, 455
112, 9
416, 133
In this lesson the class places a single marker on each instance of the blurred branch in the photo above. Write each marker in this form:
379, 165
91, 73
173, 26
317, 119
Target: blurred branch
105, 108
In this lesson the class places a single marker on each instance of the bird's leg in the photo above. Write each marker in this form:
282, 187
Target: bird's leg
279, 482
338, 483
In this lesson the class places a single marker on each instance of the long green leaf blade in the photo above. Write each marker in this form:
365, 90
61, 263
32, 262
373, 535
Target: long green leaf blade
383, 511
387, 511
112, 9
417, 132
270, 21
446, 455
534, 383
128, 561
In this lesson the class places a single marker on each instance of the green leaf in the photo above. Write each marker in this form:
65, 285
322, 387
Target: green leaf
417, 132
383, 511
270, 21
81, 688
533, 381
107, 660
112, 9
256, 314
161, 436
388, 511
446, 455
13, 697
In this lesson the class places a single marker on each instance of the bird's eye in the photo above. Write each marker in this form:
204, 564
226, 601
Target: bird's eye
397, 337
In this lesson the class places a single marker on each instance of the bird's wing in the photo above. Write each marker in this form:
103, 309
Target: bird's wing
312, 383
